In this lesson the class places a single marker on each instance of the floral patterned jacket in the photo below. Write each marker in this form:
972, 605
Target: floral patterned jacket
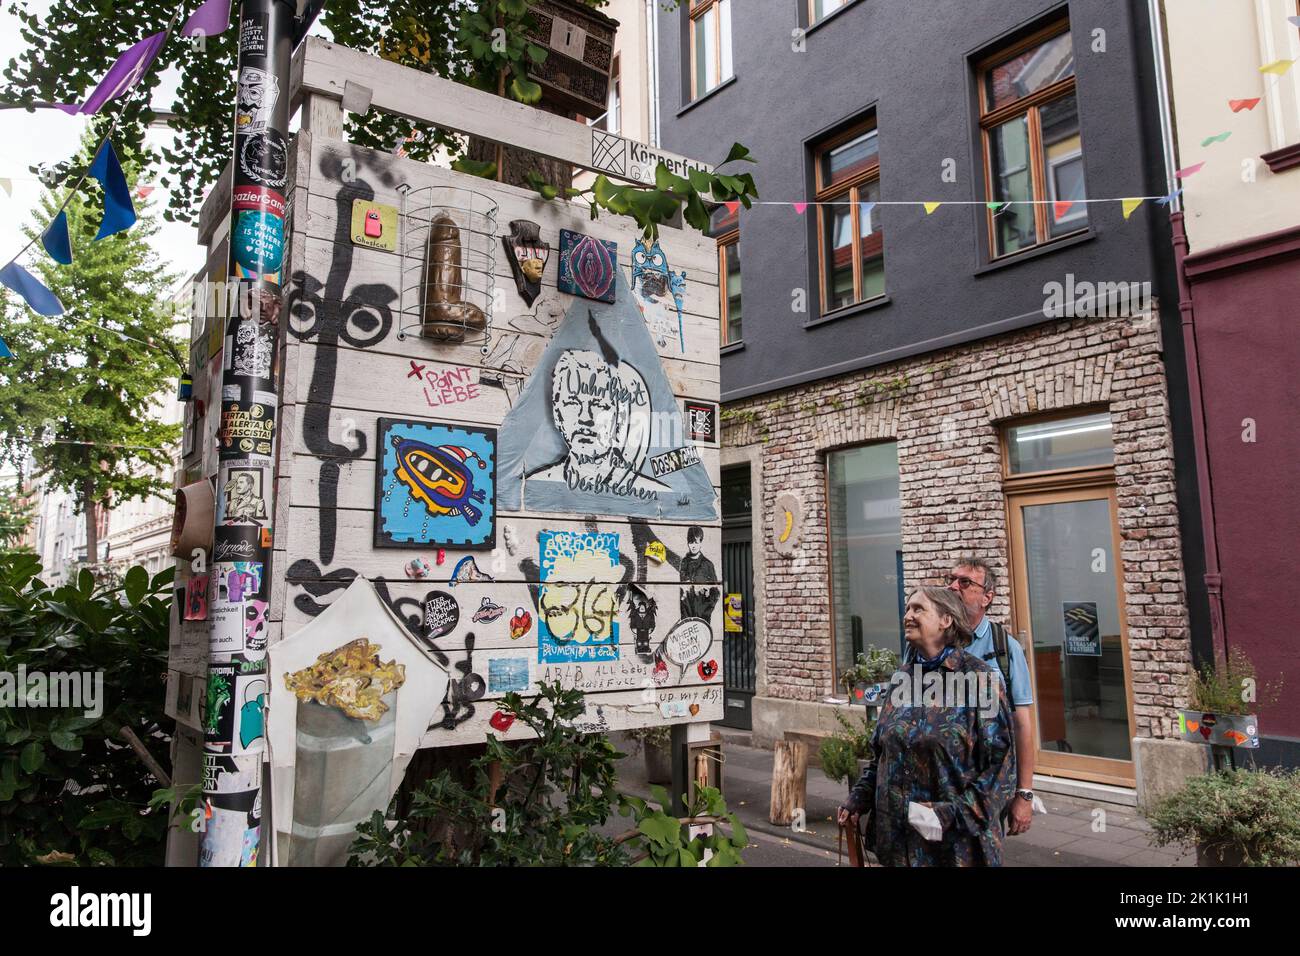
955, 758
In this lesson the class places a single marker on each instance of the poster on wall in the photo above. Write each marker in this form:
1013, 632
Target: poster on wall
435, 485
597, 429
578, 600
1082, 630
733, 617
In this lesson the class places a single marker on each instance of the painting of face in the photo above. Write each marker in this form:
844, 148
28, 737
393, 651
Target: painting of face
586, 413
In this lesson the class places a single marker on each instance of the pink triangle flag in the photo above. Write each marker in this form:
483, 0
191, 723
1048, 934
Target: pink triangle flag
1188, 170
799, 207
733, 207
1061, 207
1238, 105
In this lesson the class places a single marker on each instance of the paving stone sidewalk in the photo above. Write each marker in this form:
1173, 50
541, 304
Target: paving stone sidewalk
1065, 836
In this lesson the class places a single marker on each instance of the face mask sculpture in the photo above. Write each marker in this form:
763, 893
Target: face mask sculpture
527, 253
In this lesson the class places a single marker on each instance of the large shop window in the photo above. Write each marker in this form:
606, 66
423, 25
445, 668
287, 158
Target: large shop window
850, 239
866, 551
710, 45
724, 225
1067, 592
1033, 154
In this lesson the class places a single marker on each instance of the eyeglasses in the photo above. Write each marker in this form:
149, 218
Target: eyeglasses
963, 582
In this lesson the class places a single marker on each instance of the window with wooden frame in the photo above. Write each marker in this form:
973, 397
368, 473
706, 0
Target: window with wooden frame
710, 45
1033, 154
850, 239
724, 225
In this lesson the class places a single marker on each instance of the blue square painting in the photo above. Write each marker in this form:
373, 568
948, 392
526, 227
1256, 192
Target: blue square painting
435, 485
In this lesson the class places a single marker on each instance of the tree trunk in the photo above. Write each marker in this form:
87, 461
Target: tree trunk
92, 521
789, 781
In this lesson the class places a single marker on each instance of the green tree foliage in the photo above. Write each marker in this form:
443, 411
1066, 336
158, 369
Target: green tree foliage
1249, 815
71, 790
16, 515
71, 46
78, 398
555, 791
482, 43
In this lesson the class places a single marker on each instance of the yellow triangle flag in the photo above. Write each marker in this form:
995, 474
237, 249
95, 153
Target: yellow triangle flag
1128, 205
1277, 66
931, 206
8, 186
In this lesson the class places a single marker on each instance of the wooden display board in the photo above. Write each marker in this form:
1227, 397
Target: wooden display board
562, 588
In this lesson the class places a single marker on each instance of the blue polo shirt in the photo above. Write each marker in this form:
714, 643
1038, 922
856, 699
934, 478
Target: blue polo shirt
983, 645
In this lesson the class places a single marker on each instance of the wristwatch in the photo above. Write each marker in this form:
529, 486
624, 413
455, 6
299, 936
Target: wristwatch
1026, 794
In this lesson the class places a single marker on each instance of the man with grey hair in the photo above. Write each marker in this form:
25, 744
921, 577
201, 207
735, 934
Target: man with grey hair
976, 583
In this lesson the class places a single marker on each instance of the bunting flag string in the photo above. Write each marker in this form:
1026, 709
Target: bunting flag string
122, 78
33, 291
56, 240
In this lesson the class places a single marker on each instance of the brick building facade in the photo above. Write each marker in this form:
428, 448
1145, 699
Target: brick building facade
945, 411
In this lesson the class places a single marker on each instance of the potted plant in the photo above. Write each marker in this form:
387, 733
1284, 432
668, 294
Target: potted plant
867, 680
1234, 817
1218, 713
655, 741
844, 753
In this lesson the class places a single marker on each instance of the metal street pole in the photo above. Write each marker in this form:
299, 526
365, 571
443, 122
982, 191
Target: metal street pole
240, 563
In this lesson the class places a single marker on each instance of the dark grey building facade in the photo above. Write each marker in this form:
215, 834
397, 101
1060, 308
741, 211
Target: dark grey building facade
901, 387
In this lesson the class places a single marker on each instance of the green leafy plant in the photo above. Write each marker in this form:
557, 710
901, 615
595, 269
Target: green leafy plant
71, 789
541, 802
1251, 815
876, 665
841, 751
652, 206
1231, 688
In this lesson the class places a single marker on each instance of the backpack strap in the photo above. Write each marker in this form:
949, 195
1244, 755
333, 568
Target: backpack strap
1003, 654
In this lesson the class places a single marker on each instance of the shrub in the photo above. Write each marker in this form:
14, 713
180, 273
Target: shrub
1224, 690
71, 789
554, 791
841, 752
877, 665
1253, 813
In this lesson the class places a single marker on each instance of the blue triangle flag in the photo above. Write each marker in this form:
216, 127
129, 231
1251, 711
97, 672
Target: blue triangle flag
119, 213
1166, 200
41, 299
864, 211
56, 241
4, 350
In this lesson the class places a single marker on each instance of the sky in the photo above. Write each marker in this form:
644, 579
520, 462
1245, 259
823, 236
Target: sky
51, 136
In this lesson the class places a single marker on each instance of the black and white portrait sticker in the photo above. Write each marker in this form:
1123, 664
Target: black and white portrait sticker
243, 501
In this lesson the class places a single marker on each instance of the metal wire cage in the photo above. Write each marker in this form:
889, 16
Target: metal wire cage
449, 240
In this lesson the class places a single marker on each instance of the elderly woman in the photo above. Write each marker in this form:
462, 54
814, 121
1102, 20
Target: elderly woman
942, 763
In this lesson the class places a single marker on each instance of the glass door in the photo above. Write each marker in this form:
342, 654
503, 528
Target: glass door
1069, 611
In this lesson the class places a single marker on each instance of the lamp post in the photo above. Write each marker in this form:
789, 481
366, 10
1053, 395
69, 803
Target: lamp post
240, 563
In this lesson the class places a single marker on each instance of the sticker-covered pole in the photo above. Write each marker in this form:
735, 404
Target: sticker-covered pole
242, 543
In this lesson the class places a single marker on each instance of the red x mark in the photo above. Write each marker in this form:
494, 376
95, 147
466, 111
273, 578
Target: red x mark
416, 370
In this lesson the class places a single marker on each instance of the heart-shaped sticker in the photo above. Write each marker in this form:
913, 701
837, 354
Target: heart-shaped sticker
501, 721
707, 669
1192, 725
695, 709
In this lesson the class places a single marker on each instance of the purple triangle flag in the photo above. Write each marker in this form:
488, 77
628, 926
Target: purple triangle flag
1166, 200
56, 241
212, 17
34, 293
121, 76
119, 213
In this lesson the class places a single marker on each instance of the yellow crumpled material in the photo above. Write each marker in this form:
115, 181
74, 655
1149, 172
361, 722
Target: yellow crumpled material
350, 678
